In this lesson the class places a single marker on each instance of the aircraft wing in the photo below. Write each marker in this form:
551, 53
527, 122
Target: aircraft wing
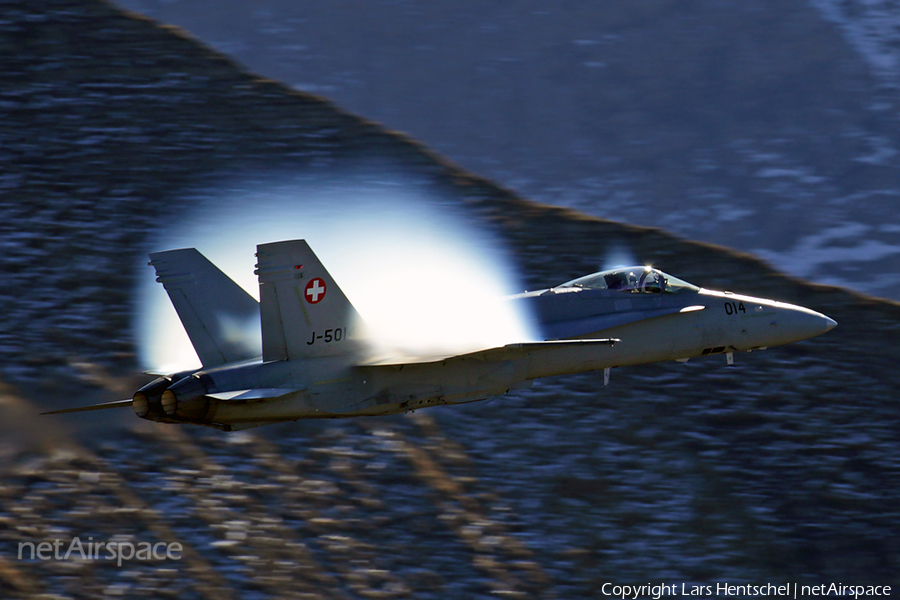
507, 352
105, 405
573, 328
537, 359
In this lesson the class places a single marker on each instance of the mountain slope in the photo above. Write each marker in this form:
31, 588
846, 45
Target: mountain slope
783, 467
759, 126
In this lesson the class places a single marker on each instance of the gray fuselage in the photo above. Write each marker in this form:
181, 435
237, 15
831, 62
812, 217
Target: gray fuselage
655, 327
620, 317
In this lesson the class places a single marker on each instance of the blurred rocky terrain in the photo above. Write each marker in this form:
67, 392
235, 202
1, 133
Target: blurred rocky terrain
768, 126
784, 467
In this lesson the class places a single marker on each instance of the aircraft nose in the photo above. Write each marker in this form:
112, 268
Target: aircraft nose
799, 323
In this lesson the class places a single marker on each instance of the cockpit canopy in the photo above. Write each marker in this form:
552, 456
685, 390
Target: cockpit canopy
634, 280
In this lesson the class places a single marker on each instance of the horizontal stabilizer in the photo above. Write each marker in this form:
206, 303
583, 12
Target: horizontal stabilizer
104, 406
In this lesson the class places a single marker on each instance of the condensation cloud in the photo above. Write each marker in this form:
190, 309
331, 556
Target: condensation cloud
424, 280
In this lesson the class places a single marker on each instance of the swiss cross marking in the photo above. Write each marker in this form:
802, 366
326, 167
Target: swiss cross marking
315, 290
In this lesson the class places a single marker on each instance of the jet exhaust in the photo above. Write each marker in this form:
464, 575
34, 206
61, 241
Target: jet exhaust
141, 404
147, 398
187, 399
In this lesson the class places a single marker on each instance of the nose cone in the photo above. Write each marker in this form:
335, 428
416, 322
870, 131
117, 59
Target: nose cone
795, 323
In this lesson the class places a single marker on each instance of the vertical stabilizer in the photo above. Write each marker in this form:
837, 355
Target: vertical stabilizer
302, 310
220, 317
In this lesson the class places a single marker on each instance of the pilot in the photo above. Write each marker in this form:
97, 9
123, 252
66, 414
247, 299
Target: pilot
633, 283
651, 283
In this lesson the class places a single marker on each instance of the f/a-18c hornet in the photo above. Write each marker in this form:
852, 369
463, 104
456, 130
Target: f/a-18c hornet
656, 317
313, 365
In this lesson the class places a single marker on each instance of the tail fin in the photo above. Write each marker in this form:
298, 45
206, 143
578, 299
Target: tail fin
220, 317
303, 311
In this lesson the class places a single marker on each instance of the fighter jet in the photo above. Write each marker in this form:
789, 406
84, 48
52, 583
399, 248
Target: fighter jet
314, 361
658, 317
